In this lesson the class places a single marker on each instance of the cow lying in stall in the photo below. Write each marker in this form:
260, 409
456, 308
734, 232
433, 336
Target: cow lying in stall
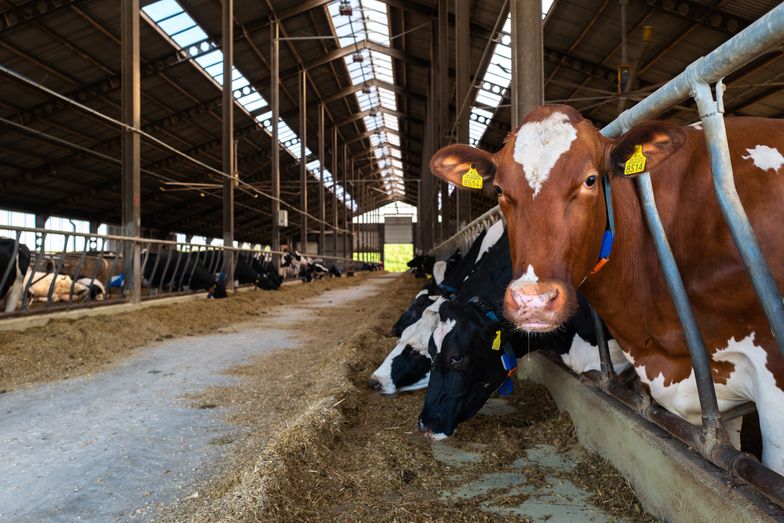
306, 269
62, 287
557, 161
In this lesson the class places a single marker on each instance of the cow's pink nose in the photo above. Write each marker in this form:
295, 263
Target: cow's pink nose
519, 299
534, 301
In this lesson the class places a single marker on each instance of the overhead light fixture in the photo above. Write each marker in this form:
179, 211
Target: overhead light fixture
357, 58
345, 8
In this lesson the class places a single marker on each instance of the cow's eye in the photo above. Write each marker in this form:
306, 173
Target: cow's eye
456, 360
590, 181
498, 191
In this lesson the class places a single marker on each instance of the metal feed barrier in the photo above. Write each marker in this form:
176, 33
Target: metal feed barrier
95, 258
710, 439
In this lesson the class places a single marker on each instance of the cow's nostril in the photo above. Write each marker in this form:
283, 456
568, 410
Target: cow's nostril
550, 295
375, 385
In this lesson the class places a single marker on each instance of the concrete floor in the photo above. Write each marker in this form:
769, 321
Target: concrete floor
553, 499
117, 445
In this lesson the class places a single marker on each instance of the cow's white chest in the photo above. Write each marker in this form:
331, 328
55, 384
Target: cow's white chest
539, 145
583, 356
765, 157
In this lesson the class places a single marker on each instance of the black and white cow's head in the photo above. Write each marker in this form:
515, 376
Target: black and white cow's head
407, 366
411, 315
472, 359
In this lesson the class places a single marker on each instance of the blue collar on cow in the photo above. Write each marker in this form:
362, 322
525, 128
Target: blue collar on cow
447, 288
508, 357
609, 232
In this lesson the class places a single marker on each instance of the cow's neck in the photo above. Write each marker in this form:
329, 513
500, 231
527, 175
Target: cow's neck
632, 280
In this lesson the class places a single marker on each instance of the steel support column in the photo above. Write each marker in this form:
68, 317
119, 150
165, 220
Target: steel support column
131, 148
462, 87
322, 211
334, 190
303, 158
275, 92
227, 34
527, 58
345, 203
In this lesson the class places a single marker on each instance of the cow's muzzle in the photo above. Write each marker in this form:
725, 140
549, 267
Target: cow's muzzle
536, 306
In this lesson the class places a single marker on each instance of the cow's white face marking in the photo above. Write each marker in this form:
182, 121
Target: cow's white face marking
749, 381
439, 270
442, 329
539, 145
529, 276
383, 374
765, 157
494, 234
420, 293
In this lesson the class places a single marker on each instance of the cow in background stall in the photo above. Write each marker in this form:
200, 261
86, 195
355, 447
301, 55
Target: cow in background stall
16, 267
551, 180
179, 271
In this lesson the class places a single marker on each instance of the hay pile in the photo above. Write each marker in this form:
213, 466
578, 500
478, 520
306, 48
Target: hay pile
320, 446
69, 348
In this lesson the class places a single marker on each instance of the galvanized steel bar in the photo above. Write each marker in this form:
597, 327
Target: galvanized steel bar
691, 331
527, 58
711, 113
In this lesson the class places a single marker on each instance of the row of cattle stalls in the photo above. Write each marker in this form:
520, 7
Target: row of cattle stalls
70, 135
702, 81
89, 270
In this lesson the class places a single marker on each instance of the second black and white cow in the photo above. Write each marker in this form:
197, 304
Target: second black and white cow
401, 370
12, 272
475, 350
178, 271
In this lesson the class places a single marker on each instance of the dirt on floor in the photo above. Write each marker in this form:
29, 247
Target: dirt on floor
76, 347
318, 445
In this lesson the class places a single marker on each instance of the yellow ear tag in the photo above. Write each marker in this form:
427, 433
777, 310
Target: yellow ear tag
497, 341
472, 179
635, 164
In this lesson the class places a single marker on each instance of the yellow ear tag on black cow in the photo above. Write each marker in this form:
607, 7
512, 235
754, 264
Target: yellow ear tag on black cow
635, 164
472, 179
497, 341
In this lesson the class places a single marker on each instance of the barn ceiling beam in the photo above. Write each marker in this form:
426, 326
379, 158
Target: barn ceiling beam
28, 11
702, 14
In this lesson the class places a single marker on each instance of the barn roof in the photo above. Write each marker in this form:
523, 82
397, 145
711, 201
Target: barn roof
60, 160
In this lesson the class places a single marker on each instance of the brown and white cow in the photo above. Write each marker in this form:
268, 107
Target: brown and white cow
548, 178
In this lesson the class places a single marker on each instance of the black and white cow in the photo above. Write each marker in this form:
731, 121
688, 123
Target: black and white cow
475, 350
178, 271
16, 267
421, 265
249, 269
401, 370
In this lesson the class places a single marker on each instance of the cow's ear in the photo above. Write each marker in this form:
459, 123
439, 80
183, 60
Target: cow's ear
644, 147
464, 166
